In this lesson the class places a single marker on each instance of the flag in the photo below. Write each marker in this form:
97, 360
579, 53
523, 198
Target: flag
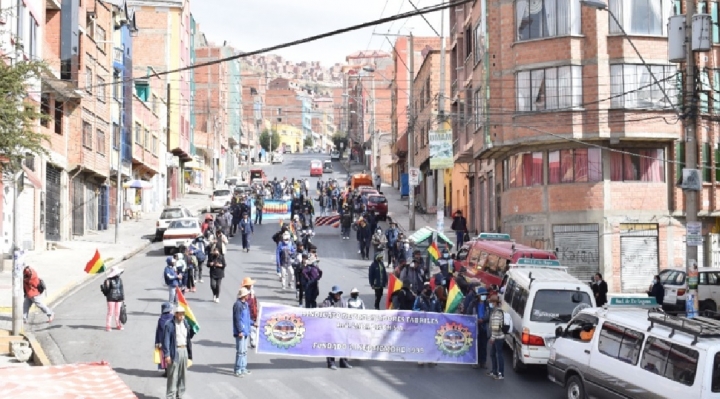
189, 316
96, 264
455, 297
434, 251
394, 284
327, 220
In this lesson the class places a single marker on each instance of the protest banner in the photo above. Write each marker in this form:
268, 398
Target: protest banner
273, 210
390, 335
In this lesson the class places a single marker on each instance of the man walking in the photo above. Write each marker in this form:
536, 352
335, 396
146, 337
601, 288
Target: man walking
241, 331
259, 203
392, 235
600, 290
377, 276
459, 225
177, 349
33, 289
335, 300
172, 279
252, 303
246, 228
378, 182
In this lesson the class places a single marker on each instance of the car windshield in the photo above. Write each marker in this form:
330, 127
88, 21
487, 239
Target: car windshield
221, 193
556, 305
672, 277
315, 164
184, 224
376, 199
255, 175
171, 214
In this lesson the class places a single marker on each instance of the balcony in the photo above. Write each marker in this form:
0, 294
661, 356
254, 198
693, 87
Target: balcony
118, 54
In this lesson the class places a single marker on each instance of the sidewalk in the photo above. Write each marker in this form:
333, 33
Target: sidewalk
62, 269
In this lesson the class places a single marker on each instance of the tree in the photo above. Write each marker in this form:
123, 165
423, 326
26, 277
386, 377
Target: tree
19, 117
340, 140
265, 140
308, 142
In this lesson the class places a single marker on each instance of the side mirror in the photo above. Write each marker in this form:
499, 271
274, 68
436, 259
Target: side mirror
558, 332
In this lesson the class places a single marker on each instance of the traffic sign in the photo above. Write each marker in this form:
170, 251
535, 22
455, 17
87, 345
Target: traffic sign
414, 176
633, 301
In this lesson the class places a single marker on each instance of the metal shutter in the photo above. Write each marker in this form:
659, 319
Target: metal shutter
578, 249
638, 260
53, 196
91, 207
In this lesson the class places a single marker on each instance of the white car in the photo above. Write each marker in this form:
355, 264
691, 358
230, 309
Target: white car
277, 157
219, 199
335, 155
181, 232
676, 289
168, 215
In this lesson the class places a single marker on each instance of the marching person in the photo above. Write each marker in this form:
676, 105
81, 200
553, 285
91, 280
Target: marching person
391, 235
346, 221
181, 268
363, 237
379, 241
355, 302
335, 300
377, 276
482, 311
253, 304
259, 204
459, 225
414, 274
656, 291
378, 182
165, 316
198, 249
114, 293
426, 301
221, 241
311, 275
404, 298
246, 228
224, 222
241, 331
600, 290
500, 323
299, 266
32, 288
177, 350
172, 279
217, 264
285, 254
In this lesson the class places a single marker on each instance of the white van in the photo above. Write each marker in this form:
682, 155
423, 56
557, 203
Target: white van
622, 351
540, 296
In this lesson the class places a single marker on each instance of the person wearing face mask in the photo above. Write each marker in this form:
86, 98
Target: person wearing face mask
406, 253
445, 263
246, 228
377, 276
499, 324
311, 276
482, 311
657, 290
355, 302
299, 266
391, 236
216, 263
600, 289
426, 301
414, 274
284, 258
335, 300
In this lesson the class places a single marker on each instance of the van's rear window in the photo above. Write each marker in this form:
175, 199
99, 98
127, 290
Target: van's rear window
552, 306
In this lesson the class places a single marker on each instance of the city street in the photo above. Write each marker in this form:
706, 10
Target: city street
78, 333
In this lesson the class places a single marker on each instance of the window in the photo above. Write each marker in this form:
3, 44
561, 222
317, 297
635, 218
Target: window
581, 323
679, 159
704, 91
631, 86
117, 87
147, 140
20, 20
116, 136
45, 110
468, 42
469, 106
525, 170
620, 343
154, 144
641, 17
100, 142
58, 116
142, 90
29, 162
537, 19
575, 166
88, 79
87, 135
101, 89
709, 278
519, 299
715, 14
715, 384
478, 41
100, 38
509, 291
549, 89
706, 163
632, 164
551, 306
33, 39
672, 361
428, 91
138, 133
477, 102
154, 104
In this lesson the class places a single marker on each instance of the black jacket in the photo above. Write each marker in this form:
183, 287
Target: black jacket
377, 275
600, 290
219, 271
403, 299
657, 291
459, 223
114, 290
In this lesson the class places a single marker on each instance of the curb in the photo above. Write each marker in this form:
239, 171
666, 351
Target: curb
39, 358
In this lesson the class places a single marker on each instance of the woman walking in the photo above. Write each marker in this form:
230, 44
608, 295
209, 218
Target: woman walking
114, 293
217, 264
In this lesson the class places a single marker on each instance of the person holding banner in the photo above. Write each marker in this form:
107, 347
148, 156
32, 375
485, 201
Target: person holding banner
335, 300
377, 276
311, 276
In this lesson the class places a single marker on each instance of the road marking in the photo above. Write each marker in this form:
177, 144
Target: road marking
330, 388
277, 389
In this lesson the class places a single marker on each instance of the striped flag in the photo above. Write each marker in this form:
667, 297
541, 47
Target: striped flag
434, 251
95, 265
189, 315
328, 221
394, 284
454, 299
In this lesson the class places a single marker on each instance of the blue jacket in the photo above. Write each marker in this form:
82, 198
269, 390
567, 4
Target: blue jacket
171, 277
164, 318
246, 226
241, 318
377, 275
392, 236
281, 247
169, 346
427, 304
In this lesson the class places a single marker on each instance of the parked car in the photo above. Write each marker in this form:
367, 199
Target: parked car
168, 215
379, 204
367, 190
316, 168
675, 283
180, 232
277, 157
335, 155
327, 167
219, 199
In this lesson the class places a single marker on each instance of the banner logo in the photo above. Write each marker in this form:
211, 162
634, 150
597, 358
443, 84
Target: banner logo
285, 330
454, 339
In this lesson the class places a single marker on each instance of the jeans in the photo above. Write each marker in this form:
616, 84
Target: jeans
496, 355
241, 345
215, 286
113, 313
258, 216
460, 236
172, 294
35, 300
345, 232
253, 336
378, 297
198, 274
365, 248
176, 374
482, 345
246, 241
310, 304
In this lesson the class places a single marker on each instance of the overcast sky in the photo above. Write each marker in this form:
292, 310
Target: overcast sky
253, 24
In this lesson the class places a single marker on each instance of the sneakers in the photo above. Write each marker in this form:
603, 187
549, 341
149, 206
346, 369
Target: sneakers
51, 318
247, 372
491, 374
332, 367
239, 375
499, 377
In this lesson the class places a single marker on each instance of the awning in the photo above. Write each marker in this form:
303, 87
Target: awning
193, 165
426, 233
64, 89
86, 380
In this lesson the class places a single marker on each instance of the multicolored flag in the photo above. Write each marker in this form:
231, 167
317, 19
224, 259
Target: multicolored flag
189, 315
434, 251
454, 299
394, 284
96, 264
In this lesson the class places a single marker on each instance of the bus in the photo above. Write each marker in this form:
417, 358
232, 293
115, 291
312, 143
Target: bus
486, 258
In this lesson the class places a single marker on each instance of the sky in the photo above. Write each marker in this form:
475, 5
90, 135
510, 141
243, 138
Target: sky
250, 25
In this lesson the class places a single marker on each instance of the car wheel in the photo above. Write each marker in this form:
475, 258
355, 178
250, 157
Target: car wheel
517, 364
575, 388
708, 308
168, 250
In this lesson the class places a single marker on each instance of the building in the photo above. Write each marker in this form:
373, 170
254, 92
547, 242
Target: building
573, 155
291, 137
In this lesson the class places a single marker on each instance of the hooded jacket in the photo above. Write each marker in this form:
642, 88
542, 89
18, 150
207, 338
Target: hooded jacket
377, 275
164, 318
30, 282
282, 247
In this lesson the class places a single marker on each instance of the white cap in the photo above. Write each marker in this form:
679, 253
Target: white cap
355, 291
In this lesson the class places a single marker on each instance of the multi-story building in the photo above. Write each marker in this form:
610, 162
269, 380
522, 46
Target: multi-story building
426, 108
571, 140
293, 104
254, 84
164, 46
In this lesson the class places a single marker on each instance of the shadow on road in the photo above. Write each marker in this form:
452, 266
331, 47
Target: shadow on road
226, 369
151, 299
143, 396
216, 344
85, 327
139, 372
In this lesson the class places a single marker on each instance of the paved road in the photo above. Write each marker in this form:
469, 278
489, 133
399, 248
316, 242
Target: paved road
78, 334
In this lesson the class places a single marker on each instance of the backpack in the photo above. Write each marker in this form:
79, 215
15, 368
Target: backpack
505, 327
41, 287
285, 257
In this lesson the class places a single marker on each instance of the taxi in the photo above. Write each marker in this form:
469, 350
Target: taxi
316, 168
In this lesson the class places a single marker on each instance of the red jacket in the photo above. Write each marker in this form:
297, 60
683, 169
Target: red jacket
252, 301
30, 282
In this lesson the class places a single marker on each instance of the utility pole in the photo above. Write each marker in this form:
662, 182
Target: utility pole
441, 127
411, 134
18, 262
373, 157
691, 149
167, 142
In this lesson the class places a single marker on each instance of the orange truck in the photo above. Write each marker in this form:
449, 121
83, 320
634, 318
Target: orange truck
361, 180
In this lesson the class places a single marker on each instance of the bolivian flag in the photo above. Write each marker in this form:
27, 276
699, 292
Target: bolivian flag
189, 316
96, 264
394, 284
434, 251
455, 298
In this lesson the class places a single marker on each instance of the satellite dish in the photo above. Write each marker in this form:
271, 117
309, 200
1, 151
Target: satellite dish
579, 308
